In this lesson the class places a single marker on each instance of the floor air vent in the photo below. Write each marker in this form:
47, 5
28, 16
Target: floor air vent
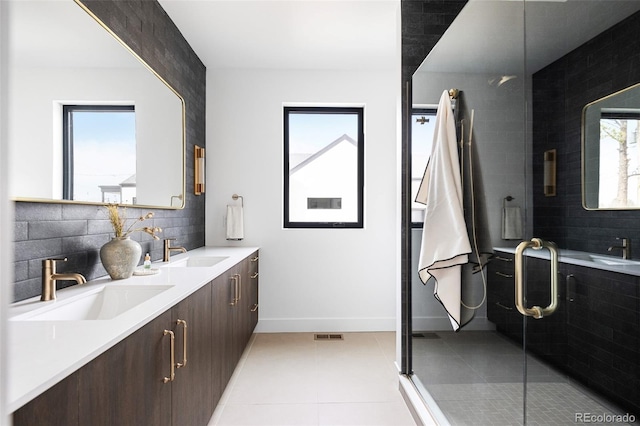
328, 336
425, 336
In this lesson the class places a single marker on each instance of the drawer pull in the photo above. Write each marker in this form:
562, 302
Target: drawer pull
254, 275
502, 274
504, 259
184, 344
172, 374
255, 308
254, 259
239, 285
234, 299
503, 306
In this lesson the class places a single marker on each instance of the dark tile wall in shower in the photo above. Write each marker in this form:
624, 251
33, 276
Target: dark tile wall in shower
44, 230
607, 63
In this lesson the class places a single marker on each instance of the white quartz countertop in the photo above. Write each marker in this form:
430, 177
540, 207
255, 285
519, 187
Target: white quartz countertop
42, 353
581, 258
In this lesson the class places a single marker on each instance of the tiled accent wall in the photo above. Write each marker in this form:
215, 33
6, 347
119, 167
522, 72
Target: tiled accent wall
606, 64
44, 230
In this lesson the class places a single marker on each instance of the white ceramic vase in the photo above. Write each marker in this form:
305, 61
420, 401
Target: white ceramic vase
120, 256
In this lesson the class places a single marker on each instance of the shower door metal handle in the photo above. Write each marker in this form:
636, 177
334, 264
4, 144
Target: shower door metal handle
536, 311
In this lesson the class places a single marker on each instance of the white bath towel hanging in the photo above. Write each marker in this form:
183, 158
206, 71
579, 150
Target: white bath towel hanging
511, 223
235, 223
445, 243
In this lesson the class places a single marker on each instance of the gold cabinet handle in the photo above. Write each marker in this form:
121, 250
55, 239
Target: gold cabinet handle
254, 259
172, 374
502, 274
504, 259
536, 311
183, 323
234, 299
239, 286
254, 276
255, 308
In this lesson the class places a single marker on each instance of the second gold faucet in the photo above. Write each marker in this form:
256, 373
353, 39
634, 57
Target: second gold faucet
168, 249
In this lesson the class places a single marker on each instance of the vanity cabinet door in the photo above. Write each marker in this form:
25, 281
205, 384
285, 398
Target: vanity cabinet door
124, 385
501, 309
603, 332
235, 315
192, 390
253, 291
223, 362
247, 308
56, 407
545, 337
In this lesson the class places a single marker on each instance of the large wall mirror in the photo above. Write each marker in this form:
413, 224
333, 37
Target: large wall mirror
611, 151
89, 122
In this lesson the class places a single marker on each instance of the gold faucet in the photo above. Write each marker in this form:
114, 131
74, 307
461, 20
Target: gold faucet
50, 276
626, 248
168, 249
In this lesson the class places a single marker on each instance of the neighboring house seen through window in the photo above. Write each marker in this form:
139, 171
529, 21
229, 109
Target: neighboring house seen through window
324, 167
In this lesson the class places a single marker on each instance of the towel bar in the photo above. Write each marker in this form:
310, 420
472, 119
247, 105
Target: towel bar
236, 196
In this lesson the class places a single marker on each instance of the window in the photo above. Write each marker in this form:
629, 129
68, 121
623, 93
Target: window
99, 153
323, 167
619, 155
422, 127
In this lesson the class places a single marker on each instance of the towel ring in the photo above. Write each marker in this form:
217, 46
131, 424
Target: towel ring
505, 199
236, 196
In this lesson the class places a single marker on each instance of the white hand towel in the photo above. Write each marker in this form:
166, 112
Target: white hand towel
511, 223
235, 223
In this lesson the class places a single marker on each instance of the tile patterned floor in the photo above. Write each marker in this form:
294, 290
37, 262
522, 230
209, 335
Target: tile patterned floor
292, 379
476, 379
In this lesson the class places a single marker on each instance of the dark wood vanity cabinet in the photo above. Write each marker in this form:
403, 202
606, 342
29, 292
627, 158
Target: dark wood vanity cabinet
58, 406
130, 384
235, 298
501, 308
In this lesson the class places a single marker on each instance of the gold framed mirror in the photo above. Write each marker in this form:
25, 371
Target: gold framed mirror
61, 56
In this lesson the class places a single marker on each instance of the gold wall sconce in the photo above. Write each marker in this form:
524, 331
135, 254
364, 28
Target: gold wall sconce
550, 173
199, 170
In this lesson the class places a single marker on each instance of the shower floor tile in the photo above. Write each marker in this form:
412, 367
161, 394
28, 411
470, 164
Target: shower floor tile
476, 379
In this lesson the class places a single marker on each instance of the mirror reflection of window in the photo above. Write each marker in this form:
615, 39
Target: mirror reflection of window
619, 159
422, 127
99, 153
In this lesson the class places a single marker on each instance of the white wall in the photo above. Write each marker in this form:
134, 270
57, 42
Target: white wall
310, 279
6, 218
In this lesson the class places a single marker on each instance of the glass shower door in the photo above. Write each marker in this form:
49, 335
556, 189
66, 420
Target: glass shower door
475, 376
563, 353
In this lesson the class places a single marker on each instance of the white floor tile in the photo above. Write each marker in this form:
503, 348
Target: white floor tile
292, 379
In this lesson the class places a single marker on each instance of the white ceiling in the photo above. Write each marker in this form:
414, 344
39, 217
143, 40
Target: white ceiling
290, 34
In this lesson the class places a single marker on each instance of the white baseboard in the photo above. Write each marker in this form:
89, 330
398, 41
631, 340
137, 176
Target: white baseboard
311, 325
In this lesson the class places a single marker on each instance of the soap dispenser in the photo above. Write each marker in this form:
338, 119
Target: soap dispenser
147, 261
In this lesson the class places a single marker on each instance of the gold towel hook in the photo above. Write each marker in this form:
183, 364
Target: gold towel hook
236, 196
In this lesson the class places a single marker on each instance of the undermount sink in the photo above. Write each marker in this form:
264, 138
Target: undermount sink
103, 303
603, 260
197, 261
